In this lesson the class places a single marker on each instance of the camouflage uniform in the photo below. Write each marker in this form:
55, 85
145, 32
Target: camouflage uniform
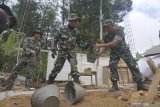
114, 35
121, 51
30, 47
67, 41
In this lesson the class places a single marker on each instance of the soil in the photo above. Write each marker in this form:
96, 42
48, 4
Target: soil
122, 98
91, 99
94, 97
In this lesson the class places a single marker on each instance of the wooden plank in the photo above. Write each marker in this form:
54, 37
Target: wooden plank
153, 87
45, 51
151, 65
106, 76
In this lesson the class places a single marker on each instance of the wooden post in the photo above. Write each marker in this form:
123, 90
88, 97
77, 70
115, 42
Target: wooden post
153, 87
45, 51
100, 21
3, 1
151, 65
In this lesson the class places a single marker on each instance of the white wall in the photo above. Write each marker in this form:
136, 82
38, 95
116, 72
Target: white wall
82, 64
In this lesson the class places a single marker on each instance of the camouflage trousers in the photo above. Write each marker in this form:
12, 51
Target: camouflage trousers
29, 75
131, 63
58, 65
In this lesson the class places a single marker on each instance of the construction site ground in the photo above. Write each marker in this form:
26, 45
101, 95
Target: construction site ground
94, 97
98, 96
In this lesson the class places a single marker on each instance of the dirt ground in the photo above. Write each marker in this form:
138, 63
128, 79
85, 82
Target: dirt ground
91, 99
122, 98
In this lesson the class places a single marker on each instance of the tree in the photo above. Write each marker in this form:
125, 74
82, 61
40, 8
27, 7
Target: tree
38, 15
9, 56
89, 11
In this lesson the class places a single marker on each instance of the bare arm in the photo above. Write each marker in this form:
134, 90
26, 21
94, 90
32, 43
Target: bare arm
114, 43
102, 50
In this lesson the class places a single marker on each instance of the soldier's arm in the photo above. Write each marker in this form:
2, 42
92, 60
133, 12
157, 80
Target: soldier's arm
83, 45
25, 44
55, 41
28, 45
118, 38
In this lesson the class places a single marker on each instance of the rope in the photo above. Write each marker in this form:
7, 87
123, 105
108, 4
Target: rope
25, 13
21, 15
3, 1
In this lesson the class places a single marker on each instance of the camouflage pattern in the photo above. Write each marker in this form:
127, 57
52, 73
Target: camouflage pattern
67, 41
107, 22
121, 51
73, 16
32, 45
30, 57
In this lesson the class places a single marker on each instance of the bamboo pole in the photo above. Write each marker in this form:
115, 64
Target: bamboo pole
153, 87
151, 65
45, 51
101, 30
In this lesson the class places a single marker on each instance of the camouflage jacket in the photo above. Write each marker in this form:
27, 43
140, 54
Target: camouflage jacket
67, 41
118, 34
31, 45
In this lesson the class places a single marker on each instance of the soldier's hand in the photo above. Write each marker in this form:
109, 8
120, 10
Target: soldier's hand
33, 53
25, 49
54, 53
98, 45
37, 49
101, 51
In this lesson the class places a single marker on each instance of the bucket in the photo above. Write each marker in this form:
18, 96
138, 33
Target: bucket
91, 57
47, 96
73, 92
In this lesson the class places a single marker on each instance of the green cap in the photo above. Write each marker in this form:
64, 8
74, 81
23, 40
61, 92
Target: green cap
37, 31
73, 16
107, 22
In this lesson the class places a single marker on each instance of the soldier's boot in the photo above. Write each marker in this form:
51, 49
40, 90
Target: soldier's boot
140, 86
76, 79
51, 78
8, 85
10, 82
114, 87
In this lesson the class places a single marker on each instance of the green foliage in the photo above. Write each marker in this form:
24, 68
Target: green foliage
89, 10
138, 56
38, 72
39, 15
43, 67
9, 43
13, 41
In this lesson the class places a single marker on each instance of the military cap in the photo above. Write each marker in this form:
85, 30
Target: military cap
107, 22
73, 16
37, 31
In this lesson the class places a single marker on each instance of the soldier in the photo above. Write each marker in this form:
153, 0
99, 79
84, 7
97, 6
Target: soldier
30, 57
114, 39
67, 40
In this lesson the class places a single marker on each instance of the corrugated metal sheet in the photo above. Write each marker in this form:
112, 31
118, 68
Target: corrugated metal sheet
155, 50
